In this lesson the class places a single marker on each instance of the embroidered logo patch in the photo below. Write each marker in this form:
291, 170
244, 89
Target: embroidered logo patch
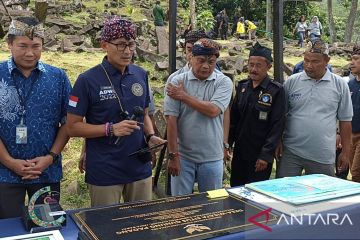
137, 89
295, 96
106, 93
265, 99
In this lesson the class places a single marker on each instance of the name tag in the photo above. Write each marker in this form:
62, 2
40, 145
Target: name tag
263, 115
21, 134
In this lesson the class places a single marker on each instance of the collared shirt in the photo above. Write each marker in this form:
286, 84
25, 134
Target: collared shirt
94, 98
257, 120
354, 86
313, 107
45, 110
178, 72
200, 137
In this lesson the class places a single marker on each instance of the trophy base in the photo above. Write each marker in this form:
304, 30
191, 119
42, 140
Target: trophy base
48, 213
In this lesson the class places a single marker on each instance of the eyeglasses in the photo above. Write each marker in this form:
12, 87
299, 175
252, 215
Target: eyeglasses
122, 46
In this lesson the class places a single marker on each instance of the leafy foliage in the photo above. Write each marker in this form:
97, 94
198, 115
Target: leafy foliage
201, 5
184, 3
205, 20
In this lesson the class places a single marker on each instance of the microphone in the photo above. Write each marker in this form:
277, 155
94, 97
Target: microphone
137, 112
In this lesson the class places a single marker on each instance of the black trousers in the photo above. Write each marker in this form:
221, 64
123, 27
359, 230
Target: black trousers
243, 172
12, 197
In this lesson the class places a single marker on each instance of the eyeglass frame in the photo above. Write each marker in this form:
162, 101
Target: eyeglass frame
124, 44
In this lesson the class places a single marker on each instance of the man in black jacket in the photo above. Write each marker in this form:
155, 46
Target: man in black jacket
256, 120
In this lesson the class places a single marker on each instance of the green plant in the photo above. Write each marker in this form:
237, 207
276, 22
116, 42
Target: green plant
130, 10
205, 20
184, 3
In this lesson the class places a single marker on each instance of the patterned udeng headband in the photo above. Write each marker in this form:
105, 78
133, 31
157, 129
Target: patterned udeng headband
356, 50
205, 47
19, 28
318, 47
117, 27
193, 36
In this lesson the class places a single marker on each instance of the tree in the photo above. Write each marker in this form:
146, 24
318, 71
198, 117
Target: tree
192, 12
268, 18
330, 16
350, 21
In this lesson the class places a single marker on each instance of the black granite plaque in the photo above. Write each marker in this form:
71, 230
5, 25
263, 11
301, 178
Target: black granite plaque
184, 217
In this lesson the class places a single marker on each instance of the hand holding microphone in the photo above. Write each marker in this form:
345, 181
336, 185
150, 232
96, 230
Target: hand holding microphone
126, 127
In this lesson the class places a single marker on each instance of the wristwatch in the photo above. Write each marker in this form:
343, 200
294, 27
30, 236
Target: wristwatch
148, 137
226, 146
55, 157
172, 156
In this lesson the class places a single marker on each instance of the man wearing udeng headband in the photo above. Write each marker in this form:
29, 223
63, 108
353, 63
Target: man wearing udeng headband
106, 95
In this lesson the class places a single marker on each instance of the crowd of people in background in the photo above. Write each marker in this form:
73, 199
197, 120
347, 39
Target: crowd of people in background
304, 30
239, 27
205, 123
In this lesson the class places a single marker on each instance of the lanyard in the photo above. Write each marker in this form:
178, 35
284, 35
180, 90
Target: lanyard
117, 96
23, 98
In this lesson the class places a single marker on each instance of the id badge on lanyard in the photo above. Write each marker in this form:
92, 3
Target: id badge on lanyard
21, 132
21, 129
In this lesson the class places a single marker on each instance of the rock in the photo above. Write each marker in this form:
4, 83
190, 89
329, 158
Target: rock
86, 29
237, 48
75, 39
161, 66
69, 165
16, 2
149, 56
51, 32
228, 63
54, 48
233, 52
288, 69
221, 63
229, 73
51, 43
145, 44
158, 90
180, 63
58, 21
239, 65
73, 188
83, 48
67, 46
249, 43
162, 40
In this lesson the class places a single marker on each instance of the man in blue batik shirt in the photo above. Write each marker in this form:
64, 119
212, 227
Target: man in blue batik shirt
33, 100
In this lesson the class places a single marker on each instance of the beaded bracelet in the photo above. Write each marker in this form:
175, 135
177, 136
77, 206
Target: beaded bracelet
111, 129
107, 129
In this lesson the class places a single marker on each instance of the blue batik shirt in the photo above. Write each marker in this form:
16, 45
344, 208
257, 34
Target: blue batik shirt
45, 110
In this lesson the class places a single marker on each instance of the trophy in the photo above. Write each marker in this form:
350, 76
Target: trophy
44, 212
